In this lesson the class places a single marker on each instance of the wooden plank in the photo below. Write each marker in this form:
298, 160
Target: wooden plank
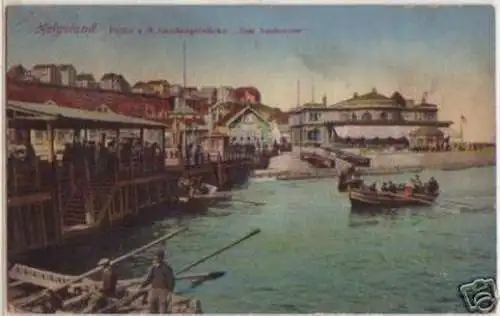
23, 200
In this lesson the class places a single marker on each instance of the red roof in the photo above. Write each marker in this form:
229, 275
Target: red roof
84, 98
234, 108
280, 117
240, 93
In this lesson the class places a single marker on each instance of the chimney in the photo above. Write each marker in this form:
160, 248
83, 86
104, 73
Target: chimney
355, 95
324, 100
374, 90
176, 103
424, 98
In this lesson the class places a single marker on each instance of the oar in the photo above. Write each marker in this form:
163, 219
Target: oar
250, 202
41, 296
457, 203
132, 297
197, 278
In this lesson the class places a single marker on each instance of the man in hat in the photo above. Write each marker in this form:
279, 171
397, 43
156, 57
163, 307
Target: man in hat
53, 302
109, 278
162, 280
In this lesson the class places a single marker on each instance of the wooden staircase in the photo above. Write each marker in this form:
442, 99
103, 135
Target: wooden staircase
74, 211
90, 195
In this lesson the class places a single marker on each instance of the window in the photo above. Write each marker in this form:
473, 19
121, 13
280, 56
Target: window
367, 116
383, 116
354, 117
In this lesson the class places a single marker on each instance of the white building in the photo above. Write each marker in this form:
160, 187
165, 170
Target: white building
68, 75
47, 73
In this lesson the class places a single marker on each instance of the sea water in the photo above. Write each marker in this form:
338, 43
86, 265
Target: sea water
314, 255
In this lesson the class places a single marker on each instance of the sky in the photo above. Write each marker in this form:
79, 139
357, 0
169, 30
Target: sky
446, 51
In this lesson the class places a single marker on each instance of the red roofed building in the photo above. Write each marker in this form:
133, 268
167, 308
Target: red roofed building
247, 94
137, 105
115, 82
17, 72
48, 73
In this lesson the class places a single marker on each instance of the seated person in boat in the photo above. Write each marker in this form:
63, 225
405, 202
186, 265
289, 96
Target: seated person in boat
384, 187
109, 278
108, 289
417, 184
432, 186
373, 187
391, 187
162, 280
52, 304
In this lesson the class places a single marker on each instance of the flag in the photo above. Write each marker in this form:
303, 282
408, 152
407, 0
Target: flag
463, 119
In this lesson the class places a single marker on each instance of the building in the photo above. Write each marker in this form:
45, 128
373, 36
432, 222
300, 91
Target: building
247, 94
160, 87
47, 73
142, 87
370, 119
247, 123
115, 82
225, 94
17, 72
85, 80
68, 75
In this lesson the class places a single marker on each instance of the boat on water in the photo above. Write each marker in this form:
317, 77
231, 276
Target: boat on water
364, 199
204, 196
26, 281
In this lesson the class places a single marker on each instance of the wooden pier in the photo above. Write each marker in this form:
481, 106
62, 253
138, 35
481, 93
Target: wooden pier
52, 201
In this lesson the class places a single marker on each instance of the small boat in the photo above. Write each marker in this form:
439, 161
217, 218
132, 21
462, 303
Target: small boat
363, 199
78, 295
206, 197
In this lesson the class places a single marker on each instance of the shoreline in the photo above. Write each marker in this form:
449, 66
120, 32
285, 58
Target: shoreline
385, 166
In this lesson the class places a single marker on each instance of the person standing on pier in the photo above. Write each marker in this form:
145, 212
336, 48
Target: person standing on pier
162, 280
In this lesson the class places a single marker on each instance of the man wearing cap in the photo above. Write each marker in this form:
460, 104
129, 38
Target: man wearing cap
162, 280
109, 278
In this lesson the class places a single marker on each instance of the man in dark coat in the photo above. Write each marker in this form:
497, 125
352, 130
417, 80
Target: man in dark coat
162, 280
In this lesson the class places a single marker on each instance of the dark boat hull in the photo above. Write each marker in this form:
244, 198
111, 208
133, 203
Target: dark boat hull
367, 200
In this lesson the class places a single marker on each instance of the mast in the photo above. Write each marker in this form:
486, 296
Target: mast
184, 61
312, 90
298, 93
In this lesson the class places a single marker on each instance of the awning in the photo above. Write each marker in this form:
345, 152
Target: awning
449, 132
54, 112
371, 132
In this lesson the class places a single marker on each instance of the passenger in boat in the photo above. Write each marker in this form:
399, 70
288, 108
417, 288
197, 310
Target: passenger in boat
52, 304
391, 187
109, 278
373, 187
417, 182
384, 187
162, 280
432, 186
410, 186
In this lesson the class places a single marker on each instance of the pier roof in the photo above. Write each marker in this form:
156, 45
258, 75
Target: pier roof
36, 115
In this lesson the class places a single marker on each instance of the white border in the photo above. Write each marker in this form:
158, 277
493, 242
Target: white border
209, 2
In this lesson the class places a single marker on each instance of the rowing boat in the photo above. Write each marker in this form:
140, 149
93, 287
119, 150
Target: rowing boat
78, 295
363, 199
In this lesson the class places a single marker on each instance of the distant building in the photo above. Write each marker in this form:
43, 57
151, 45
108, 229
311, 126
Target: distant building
248, 95
17, 72
115, 82
160, 87
225, 94
85, 80
208, 93
68, 75
370, 119
175, 90
142, 87
47, 73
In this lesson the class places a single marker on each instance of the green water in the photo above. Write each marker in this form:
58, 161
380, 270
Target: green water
313, 255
